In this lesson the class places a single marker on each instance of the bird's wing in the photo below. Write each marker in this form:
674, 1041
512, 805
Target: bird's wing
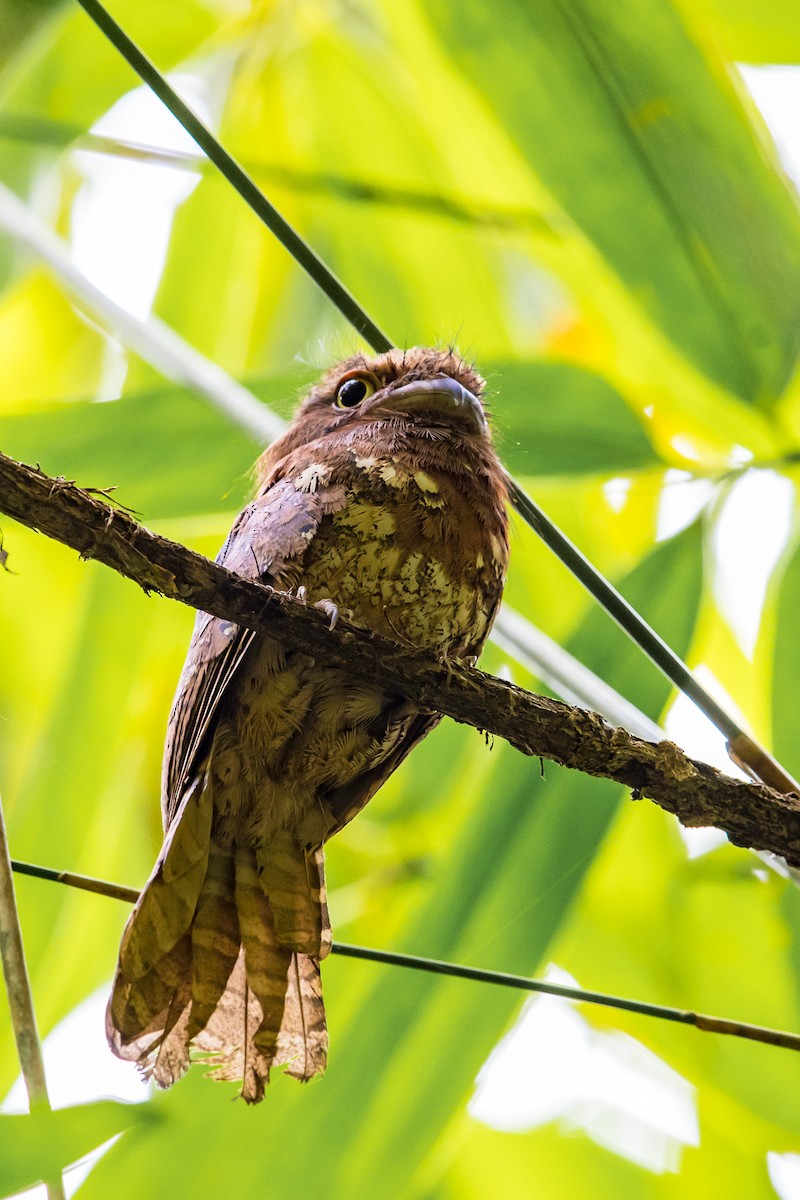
267, 543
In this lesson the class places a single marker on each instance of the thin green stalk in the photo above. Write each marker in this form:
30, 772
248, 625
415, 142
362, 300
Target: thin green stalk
20, 998
661, 1012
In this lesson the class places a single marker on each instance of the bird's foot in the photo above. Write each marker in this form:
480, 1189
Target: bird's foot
328, 607
447, 662
450, 661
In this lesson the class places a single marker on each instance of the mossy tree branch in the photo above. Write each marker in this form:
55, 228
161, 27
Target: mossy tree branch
750, 814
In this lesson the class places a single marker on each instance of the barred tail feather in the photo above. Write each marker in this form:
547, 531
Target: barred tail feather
266, 961
316, 866
303, 1038
166, 907
143, 1013
224, 966
293, 880
151, 988
216, 938
227, 1043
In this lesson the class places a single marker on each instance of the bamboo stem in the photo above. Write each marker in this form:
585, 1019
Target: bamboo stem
20, 998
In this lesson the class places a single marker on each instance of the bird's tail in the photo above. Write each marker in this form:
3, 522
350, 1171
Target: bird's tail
221, 953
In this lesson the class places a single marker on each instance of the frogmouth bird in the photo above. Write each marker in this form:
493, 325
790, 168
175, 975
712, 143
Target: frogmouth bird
384, 500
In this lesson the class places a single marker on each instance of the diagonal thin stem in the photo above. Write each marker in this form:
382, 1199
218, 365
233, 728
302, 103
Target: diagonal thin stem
744, 749
299, 249
20, 998
709, 1024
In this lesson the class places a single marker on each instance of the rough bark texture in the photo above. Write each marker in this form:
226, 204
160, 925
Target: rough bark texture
750, 814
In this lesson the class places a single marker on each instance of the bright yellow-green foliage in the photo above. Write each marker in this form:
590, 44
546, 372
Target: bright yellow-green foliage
581, 195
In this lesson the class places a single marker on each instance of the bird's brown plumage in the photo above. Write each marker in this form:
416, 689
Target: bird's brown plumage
391, 504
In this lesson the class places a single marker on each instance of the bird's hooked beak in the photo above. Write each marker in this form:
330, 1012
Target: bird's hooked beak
445, 396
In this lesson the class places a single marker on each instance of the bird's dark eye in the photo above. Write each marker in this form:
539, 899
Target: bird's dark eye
352, 391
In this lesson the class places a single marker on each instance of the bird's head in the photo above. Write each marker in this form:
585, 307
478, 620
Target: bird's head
418, 389
434, 386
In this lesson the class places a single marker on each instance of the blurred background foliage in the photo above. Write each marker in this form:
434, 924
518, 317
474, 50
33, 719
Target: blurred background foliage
585, 199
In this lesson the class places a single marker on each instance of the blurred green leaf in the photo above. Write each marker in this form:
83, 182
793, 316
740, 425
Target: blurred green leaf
49, 76
555, 1161
555, 418
167, 452
647, 109
758, 31
89, 670
40, 1145
549, 1163
423, 280
786, 667
21, 20
48, 352
666, 588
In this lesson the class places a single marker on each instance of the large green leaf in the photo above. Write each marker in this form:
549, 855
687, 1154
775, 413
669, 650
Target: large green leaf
553, 1162
40, 1145
666, 589
48, 352
20, 20
49, 78
617, 108
713, 907
555, 418
88, 671
167, 452
425, 279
